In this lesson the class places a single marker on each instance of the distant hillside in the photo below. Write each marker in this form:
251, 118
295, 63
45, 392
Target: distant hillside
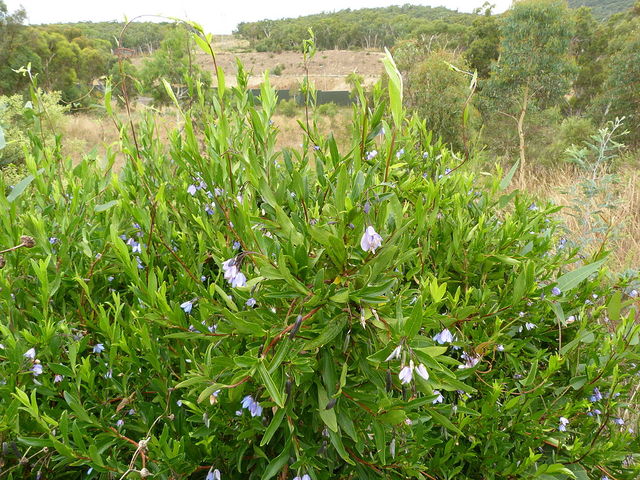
603, 8
364, 28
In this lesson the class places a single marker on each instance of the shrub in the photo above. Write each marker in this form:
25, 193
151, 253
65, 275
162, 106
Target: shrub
288, 108
18, 119
278, 69
328, 109
328, 312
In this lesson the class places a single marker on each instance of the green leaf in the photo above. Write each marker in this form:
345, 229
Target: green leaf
277, 463
105, 206
273, 427
20, 187
393, 417
572, 279
444, 421
328, 333
272, 388
395, 88
506, 181
327, 416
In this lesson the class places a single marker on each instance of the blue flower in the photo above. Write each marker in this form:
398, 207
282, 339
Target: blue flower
618, 421
597, 396
191, 189
30, 354
562, 427
370, 240
187, 306
251, 302
213, 475
439, 398
250, 404
236, 245
444, 336
36, 369
556, 291
372, 154
98, 348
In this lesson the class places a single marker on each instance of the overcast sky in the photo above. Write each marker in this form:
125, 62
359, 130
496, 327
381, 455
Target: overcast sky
217, 16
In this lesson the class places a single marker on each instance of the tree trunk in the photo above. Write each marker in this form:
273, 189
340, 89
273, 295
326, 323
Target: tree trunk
523, 113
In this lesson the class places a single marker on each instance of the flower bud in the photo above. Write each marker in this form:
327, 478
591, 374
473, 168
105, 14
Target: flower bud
331, 403
27, 241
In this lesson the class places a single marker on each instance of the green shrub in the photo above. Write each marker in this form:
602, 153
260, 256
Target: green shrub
328, 109
288, 108
331, 312
278, 69
18, 119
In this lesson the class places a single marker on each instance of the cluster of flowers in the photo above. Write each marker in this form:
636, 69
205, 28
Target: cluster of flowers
136, 247
252, 405
406, 372
36, 369
233, 274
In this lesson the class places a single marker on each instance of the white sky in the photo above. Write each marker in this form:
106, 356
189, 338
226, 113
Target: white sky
217, 16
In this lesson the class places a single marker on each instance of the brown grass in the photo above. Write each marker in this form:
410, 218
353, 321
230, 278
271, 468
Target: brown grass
562, 186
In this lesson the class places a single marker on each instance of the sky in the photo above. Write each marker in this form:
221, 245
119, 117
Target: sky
216, 16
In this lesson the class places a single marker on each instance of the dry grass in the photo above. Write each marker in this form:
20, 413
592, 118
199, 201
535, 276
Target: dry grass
291, 135
619, 225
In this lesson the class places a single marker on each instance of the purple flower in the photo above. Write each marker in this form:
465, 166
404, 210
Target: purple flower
421, 370
394, 354
98, 348
250, 404
119, 423
54, 240
618, 421
191, 189
36, 369
210, 208
470, 360
236, 245
251, 302
213, 475
187, 306
30, 354
556, 291
500, 348
406, 373
399, 153
372, 154
443, 337
109, 374
562, 427
370, 240
303, 477
239, 280
633, 293
439, 398
597, 396
58, 378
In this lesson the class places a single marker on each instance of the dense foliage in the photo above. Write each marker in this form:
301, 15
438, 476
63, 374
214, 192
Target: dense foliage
363, 28
222, 309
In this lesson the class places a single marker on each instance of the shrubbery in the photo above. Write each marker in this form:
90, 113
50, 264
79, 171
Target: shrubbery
368, 310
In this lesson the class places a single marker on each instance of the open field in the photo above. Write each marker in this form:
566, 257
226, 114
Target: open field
328, 69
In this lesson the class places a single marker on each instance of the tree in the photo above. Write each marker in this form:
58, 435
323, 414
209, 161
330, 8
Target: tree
588, 47
534, 69
485, 40
11, 29
438, 93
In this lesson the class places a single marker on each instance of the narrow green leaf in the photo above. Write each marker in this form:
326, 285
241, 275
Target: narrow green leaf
273, 427
105, 206
272, 388
20, 187
572, 279
506, 181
